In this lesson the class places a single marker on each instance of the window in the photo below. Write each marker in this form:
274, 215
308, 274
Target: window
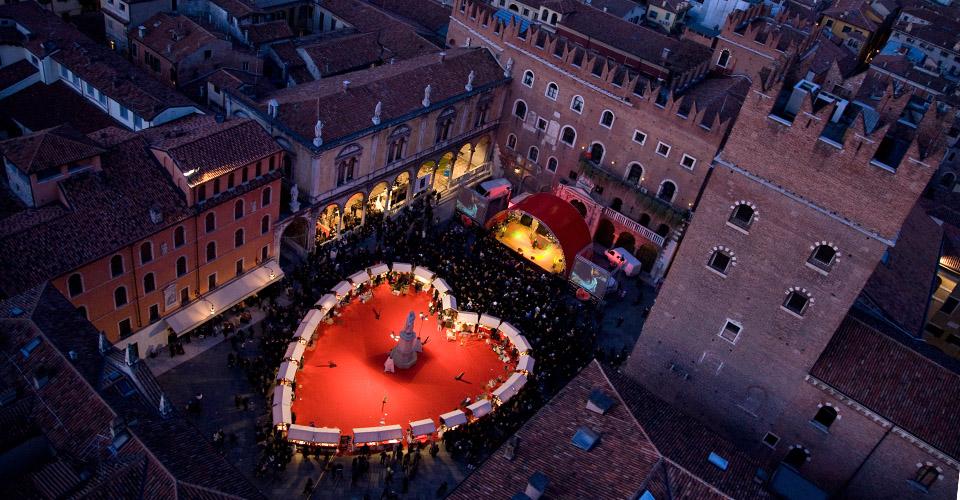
259, 169
541, 124
552, 164
796, 457
639, 137
688, 162
210, 222
239, 267
154, 313
207, 54
179, 237
264, 224
211, 251
264, 253
346, 170
731, 331
926, 475
823, 256
181, 266
667, 191
124, 328
231, 180
244, 176
120, 296
949, 305
770, 439
825, 417
445, 124
720, 260
663, 149
202, 192
742, 216
75, 284
568, 136
116, 266
146, 252
238, 209
212, 281
533, 154
797, 302
512, 141
238, 238
528, 78
606, 118
265, 198
552, 91
576, 104
520, 109
149, 283
83, 312
635, 174
724, 58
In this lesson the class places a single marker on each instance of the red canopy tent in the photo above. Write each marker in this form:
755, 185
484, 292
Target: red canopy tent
559, 216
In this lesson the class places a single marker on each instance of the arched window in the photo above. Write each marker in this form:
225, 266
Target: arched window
346, 169
520, 109
445, 124
553, 91
512, 141
926, 475
211, 251
181, 266
576, 104
796, 457
724, 58
568, 136
533, 154
552, 164
120, 296
179, 237
528, 78
149, 283
396, 143
721, 259
644, 219
743, 215
797, 301
238, 238
667, 191
825, 417
82, 310
238, 209
146, 252
606, 118
265, 197
596, 152
617, 204
116, 266
635, 174
210, 222
264, 224
823, 256
663, 230
75, 284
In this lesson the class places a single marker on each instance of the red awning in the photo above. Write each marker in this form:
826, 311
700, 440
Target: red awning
562, 218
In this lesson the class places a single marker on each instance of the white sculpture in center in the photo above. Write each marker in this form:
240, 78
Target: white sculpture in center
404, 355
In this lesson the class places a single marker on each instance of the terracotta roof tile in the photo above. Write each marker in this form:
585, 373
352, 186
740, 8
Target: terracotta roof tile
174, 37
258, 34
60, 103
16, 73
49, 148
430, 14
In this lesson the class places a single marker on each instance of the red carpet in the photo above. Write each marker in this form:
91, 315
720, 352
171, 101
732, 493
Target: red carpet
350, 394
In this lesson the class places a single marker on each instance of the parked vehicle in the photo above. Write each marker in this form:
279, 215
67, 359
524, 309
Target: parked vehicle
494, 188
623, 260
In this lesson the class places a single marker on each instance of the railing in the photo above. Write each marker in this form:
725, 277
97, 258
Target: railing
404, 162
633, 225
651, 202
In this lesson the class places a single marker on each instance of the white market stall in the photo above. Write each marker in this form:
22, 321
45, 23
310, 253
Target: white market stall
282, 399
402, 267
288, 371
360, 277
480, 408
378, 269
525, 364
491, 322
521, 344
295, 352
423, 274
423, 427
453, 418
510, 332
510, 388
377, 435
467, 318
342, 289
441, 285
322, 436
449, 302
308, 326
327, 302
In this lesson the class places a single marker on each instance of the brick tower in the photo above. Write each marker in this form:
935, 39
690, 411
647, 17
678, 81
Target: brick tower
803, 202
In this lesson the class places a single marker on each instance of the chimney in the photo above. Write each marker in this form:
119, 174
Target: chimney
169, 48
665, 53
141, 31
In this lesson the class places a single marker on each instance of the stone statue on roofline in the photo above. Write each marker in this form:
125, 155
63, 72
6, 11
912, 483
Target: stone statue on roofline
376, 113
426, 96
509, 68
318, 134
294, 202
470, 78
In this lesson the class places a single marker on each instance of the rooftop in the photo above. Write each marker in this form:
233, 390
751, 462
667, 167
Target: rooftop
60, 103
49, 148
173, 37
258, 34
852, 12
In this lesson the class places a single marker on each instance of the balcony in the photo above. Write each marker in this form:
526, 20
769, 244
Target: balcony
658, 208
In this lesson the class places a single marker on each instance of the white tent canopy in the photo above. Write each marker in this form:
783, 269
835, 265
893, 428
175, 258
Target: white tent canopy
453, 418
402, 267
521, 344
509, 330
469, 318
510, 388
342, 288
377, 434
282, 398
295, 352
489, 321
327, 301
423, 427
291, 350
359, 277
449, 301
441, 285
378, 269
316, 435
525, 363
423, 274
309, 325
480, 408
288, 371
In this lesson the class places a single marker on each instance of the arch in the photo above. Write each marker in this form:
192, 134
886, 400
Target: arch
328, 223
616, 204
635, 173
353, 212
295, 233
607, 118
120, 296
647, 254
75, 284
238, 209
826, 416
552, 164
398, 190
116, 266
425, 176
605, 233
743, 214
663, 230
580, 207
211, 251
210, 222
797, 456
238, 238
667, 191
627, 241
266, 196
481, 153
644, 220
576, 104
568, 135
528, 78
533, 154
350, 150
552, 91
377, 200
441, 180
511, 141
181, 266
513, 7
520, 109
146, 252
927, 474
179, 237
597, 150
149, 283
